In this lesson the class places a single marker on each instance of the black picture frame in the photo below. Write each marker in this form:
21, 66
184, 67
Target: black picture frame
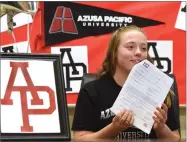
65, 134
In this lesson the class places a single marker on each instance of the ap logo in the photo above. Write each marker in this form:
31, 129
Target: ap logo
75, 64
162, 54
19, 47
28, 97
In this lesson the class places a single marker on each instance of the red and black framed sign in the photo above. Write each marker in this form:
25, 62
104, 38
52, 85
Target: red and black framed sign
33, 97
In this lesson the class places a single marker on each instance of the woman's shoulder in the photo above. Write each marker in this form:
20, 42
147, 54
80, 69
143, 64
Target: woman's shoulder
97, 83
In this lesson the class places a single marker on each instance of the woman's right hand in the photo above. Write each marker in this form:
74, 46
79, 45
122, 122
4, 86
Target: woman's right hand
123, 120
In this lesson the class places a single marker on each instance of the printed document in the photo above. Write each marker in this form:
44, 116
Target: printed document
145, 88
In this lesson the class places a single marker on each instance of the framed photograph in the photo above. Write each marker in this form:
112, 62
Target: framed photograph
33, 98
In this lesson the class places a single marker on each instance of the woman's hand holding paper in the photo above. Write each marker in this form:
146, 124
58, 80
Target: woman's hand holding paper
123, 120
160, 118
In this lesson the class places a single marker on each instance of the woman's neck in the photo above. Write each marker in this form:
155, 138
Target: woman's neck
120, 77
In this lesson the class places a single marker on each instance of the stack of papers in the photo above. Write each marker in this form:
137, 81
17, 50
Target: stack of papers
145, 88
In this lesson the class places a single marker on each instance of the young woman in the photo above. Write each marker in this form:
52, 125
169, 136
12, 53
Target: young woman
93, 118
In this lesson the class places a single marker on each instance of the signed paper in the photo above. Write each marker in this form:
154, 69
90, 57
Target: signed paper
145, 88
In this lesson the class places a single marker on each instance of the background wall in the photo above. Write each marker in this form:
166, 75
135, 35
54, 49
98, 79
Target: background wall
80, 32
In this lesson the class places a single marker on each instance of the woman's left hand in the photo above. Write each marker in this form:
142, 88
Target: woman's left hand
161, 117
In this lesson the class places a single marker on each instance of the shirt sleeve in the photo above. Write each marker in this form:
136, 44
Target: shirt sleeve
86, 115
173, 120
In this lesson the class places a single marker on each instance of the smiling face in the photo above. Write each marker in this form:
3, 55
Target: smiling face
127, 47
131, 50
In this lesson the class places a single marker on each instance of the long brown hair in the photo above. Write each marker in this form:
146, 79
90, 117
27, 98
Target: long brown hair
109, 63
